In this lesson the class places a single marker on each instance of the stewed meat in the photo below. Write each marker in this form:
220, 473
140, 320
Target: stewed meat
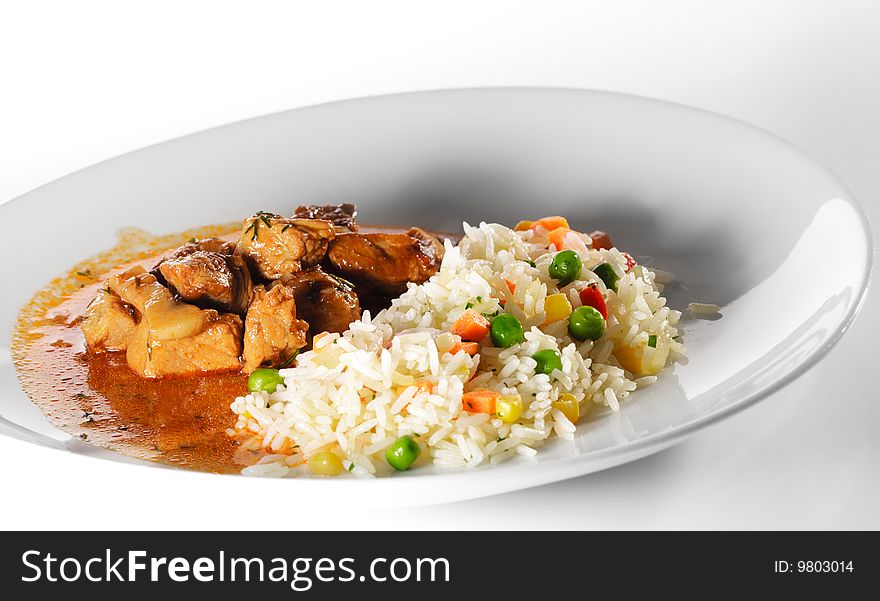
174, 338
432, 248
600, 240
215, 349
341, 216
167, 317
326, 302
212, 245
273, 245
386, 261
272, 332
213, 305
210, 280
108, 323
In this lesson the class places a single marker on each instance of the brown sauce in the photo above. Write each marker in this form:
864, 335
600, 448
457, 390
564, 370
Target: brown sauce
179, 421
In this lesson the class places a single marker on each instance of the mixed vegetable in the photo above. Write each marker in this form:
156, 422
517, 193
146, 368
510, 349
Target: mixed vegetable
503, 329
506, 331
547, 361
264, 380
402, 453
585, 322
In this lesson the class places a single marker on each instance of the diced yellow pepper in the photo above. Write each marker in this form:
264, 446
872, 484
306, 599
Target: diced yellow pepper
509, 408
642, 361
557, 307
654, 359
630, 358
523, 226
569, 407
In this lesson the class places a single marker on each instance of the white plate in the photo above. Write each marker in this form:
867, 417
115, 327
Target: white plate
743, 219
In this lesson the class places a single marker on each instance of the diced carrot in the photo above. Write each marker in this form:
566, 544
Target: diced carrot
480, 401
557, 237
601, 240
471, 348
510, 286
523, 226
471, 326
551, 223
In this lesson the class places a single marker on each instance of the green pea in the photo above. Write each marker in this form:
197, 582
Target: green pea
265, 380
402, 453
506, 330
586, 323
607, 274
565, 267
547, 360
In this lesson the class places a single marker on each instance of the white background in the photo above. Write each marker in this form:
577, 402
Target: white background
84, 81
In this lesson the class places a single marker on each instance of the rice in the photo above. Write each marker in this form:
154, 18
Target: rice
393, 374
704, 308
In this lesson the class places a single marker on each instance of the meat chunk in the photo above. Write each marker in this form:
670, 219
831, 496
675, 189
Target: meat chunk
386, 261
600, 240
166, 317
217, 348
431, 247
272, 332
326, 302
210, 280
212, 245
108, 323
272, 245
174, 338
341, 216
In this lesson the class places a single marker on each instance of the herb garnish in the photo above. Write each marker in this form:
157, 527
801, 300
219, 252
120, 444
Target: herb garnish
255, 224
652, 341
289, 360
